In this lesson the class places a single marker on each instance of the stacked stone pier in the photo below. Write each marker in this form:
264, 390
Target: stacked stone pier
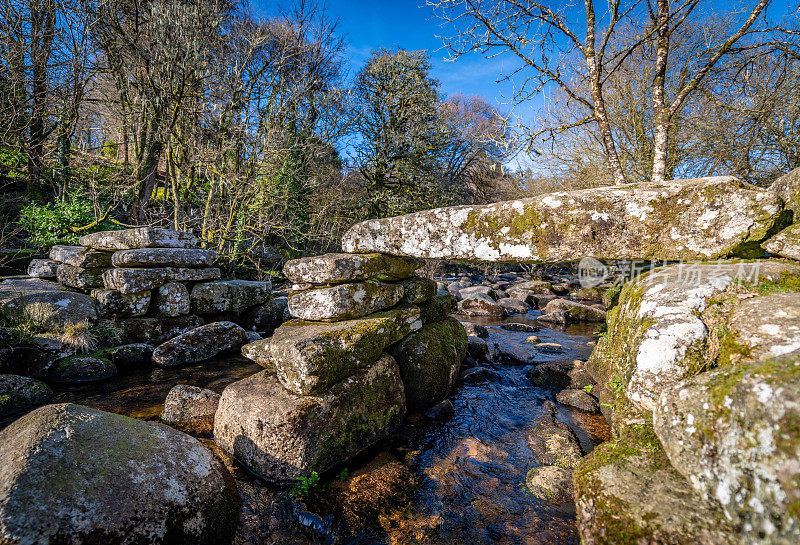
369, 342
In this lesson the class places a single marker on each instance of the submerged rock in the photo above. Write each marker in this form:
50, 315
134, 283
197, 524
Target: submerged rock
552, 484
191, 409
338, 268
200, 344
344, 301
719, 217
443, 410
429, 360
553, 443
130, 356
138, 237
72, 474
310, 357
282, 436
19, 393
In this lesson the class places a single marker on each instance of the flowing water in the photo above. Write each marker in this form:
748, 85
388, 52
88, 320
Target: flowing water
471, 468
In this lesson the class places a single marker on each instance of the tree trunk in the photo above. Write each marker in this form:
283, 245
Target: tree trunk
660, 115
42, 19
147, 178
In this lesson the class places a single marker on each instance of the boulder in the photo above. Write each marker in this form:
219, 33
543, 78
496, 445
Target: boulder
191, 409
478, 349
417, 290
185, 274
138, 237
552, 484
114, 303
45, 303
480, 305
199, 344
281, 436
656, 333
513, 353
576, 312
171, 299
338, 268
229, 295
429, 360
264, 318
133, 280
489, 292
81, 369
130, 356
553, 443
761, 328
164, 257
42, 268
788, 188
444, 410
110, 479
344, 301
551, 374
19, 394
154, 330
78, 277
475, 330
578, 399
88, 259
733, 434
310, 357
513, 306
785, 244
720, 217
476, 375
438, 308
61, 254
556, 318
627, 493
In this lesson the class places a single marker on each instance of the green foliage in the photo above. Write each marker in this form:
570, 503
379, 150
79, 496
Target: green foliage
305, 485
343, 475
49, 224
13, 162
588, 388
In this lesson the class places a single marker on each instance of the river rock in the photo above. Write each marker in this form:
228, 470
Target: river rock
191, 409
476, 375
513, 353
444, 410
576, 312
199, 344
551, 374
785, 244
478, 349
480, 305
131, 356
553, 443
185, 274
417, 290
61, 254
164, 257
521, 323
171, 299
438, 308
88, 259
229, 295
42, 268
114, 303
44, 303
552, 484
733, 434
475, 330
513, 306
138, 237
310, 357
126, 480
578, 399
264, 318
19, 394
626, 492
344, 301
466, 293
78, 277
154, 330
339, 268
133, 280
282, 436
81, 369
429, 361
656, 332
720, 216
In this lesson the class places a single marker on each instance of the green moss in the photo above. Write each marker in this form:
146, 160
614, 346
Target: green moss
788, 282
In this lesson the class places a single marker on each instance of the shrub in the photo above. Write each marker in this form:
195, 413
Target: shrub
50, 224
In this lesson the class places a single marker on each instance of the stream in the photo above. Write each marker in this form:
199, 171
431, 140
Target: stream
471, 468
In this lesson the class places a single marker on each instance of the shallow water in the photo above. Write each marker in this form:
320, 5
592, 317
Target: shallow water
471, 468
